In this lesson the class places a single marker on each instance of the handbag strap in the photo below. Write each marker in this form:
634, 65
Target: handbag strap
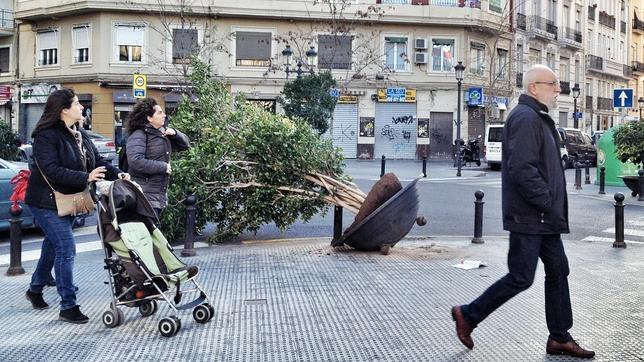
43, 176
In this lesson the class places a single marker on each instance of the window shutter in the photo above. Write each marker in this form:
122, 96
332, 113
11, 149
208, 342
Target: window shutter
80, 36
4, 60
253, 46
184, 42
48, 39
334, 52
130, 35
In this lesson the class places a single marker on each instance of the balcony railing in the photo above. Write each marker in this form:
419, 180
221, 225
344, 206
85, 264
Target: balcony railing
6, 19
543, 24
622, 27
628, 71
591, 12
595, 62
565, 87
521, 21
589, 102
638, 67
638, 24
520, 80
604, 103
447, 3
570, 34
607, 20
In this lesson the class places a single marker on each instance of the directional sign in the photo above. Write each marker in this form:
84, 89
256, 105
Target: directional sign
139, 85
623, 98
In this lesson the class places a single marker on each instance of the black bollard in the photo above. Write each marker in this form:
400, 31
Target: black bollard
619, 221
382, 166
424, 166
587, 182
641, 185
15, 235
602, 179
191, 215
577, 175
337, 224
478, 217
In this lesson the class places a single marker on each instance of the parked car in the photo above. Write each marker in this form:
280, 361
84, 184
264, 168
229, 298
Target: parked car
105, 146
7, 171
579, 145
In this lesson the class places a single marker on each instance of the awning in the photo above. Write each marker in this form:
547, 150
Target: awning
502, 106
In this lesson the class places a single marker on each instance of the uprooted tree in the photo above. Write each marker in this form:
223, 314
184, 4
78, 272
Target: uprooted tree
249, 167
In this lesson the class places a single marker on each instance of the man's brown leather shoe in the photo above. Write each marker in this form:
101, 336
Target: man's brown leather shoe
463, 329
570, 348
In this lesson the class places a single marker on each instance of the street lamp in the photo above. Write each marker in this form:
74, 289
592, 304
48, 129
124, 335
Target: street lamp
641, 104
311, 54
459, 68
575, 95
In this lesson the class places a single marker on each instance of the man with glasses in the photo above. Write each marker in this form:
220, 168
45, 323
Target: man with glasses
535, 212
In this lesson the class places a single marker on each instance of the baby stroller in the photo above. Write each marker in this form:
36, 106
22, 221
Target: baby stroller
140, 263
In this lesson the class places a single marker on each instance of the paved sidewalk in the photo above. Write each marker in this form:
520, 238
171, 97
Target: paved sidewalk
300, 300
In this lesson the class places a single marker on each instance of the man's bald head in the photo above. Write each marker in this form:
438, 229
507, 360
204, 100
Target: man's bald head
536, 73
541, 83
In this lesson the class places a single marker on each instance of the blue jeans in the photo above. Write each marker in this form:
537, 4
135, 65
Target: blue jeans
58, 250
525, 251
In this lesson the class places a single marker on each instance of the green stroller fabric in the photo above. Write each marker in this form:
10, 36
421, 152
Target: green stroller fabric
136, 237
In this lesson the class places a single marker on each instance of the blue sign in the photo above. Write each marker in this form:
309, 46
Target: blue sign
623, 98
578, 115
396, 94
139, 93
475, 96
334, 92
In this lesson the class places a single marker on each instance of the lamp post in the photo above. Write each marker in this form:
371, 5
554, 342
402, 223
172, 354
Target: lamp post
640, 101
575, 95
311, 54
459, 68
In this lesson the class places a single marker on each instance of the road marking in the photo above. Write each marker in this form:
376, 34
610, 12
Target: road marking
633, 232
35, 254
608, 240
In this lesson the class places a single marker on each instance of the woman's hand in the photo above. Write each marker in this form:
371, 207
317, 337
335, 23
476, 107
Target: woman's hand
170, 132
168, 169
124, 176
97, 174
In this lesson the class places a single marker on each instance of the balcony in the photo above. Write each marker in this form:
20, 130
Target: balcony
570, 37
448, 3
595, 63
521, 21
589, 102
6, 22
628, 71
638, 67
638, 25
605, 104
591, 12
542, 27
607, 20
519, 80
565, 87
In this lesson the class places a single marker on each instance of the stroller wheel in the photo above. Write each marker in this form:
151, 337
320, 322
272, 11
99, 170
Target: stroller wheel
385, 249
202, 313
148, 308
212, 310
112, 319
169, 326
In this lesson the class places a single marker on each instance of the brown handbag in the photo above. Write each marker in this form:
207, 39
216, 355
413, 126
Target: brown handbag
72, 204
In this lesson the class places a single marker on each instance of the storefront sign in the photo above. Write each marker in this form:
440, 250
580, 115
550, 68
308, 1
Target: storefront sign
475, 96
347, 99
396, 95
37, 93
5, 93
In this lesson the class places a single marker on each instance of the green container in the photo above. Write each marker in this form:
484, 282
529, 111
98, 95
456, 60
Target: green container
606, 157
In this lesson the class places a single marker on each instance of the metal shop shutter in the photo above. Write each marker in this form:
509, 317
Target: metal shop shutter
396, 130
345, 129
33, 113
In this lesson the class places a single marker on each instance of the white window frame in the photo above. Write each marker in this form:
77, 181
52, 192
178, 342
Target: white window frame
383, 42
274, 51
503, 72
200, 32
89, 49
144, 46
7, 71
454, 53
38, 49
473, 45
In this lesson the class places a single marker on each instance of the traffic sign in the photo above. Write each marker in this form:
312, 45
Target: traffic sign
139, 85
334, 92
623, 98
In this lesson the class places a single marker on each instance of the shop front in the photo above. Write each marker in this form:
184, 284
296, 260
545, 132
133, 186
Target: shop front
344, 126
396, 125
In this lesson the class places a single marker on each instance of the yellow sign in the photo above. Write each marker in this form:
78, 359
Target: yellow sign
139, 85
347, 99
396, 95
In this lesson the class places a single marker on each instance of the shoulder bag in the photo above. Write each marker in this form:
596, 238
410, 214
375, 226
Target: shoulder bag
71, 204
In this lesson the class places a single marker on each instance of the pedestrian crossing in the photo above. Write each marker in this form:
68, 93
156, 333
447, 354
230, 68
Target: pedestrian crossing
633, 233
468, 181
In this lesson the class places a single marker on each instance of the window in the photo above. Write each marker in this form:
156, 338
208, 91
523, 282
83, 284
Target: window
497, 5
535, 57
550, 60
477, 58
442, 53
47, 43
519, 58
564, 71
130, 40
334, 52
4, 59
184, 45
502, 60
80, 41
253, 49
577, 71
396, 53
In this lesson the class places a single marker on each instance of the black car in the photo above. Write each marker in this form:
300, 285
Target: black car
579, 145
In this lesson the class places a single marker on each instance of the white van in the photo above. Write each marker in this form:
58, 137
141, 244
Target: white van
493, 146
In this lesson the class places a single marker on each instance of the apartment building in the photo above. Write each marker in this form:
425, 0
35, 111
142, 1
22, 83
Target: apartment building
636, 53
393, 59
7, 49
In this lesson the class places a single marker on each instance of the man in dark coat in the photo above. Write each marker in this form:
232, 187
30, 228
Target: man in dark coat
535, 212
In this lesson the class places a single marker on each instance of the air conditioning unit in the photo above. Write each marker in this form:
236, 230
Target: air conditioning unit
420, 43
421, 58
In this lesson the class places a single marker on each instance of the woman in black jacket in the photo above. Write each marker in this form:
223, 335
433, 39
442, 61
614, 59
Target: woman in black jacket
148, 150
64, 155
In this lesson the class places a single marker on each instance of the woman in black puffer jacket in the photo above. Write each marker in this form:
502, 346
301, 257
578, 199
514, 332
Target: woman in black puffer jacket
148, 149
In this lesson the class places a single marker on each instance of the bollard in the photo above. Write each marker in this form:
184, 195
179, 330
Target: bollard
382, 166
424, 166
587, 182
337, 224
15, 253
641, 185
602, 179
577, 175
478, 217
619, 221
191, 214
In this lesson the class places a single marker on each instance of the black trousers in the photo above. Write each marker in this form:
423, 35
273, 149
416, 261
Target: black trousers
525, 250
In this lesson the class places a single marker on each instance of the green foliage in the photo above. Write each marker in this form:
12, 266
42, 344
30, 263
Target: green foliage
629, 142
238, 159
8, 148
308, 98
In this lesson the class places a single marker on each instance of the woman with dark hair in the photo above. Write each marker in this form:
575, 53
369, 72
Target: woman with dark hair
148, 150
65, 160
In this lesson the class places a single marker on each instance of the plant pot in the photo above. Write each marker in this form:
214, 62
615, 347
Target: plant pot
632, 182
